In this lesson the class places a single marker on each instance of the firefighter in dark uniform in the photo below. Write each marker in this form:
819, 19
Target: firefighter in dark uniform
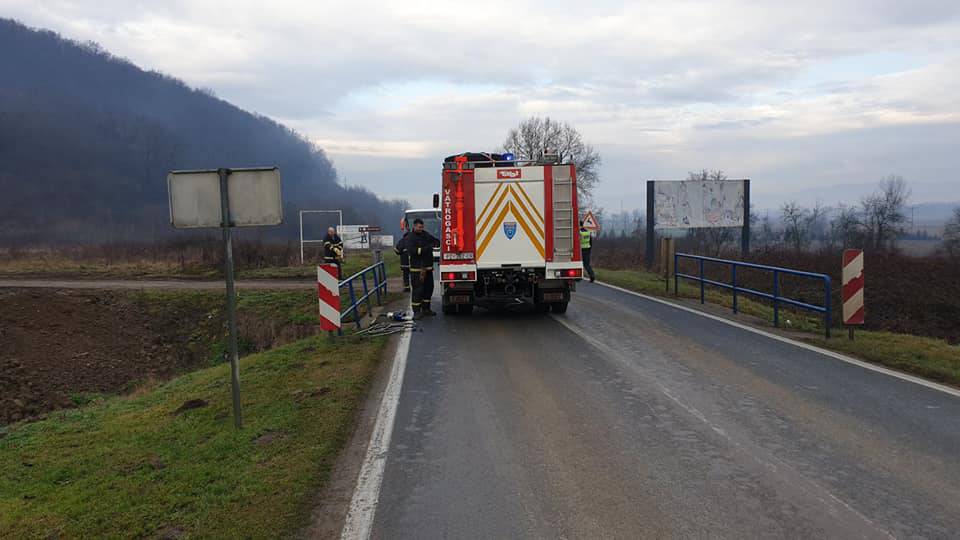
333, 250
419, 245
586, 240
404, 261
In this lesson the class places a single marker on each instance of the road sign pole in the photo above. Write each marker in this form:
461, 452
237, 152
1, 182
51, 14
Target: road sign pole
649, 252
745, 231
231, 297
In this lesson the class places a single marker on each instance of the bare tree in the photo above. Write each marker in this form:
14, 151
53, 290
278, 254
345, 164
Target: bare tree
705, 175
845, 228
883, 212
767, 235
711, 239
796, 220
535, 135
816, 222
951, 234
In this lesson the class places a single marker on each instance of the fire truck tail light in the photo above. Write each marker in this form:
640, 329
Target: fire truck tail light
455, 276
568, 273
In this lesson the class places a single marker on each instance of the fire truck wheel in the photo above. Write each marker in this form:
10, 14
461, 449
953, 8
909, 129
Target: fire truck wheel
560, 307
541, 307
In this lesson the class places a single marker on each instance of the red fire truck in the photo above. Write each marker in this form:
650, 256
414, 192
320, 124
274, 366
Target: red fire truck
508, 232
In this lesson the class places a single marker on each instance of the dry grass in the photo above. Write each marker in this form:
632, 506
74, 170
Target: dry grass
203, 261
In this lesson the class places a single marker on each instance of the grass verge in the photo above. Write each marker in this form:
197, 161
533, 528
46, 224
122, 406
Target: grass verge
927, 357
133, 466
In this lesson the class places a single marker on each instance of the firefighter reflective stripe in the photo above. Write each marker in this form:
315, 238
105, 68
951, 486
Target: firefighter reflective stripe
584, 239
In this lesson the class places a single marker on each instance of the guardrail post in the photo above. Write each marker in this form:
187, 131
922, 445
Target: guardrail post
376, 283
701, 281
353, 303
676, 270
366, 290
827, 315
733, 275
383, 274
776, 298
378, 266
340, 330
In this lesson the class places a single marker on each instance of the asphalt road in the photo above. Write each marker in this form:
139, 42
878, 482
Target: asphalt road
626, 418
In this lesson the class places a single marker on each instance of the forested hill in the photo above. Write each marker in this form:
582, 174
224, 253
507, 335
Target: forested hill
86, 141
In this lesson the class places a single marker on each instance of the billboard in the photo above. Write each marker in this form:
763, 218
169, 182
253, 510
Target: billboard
353, 237
687, 204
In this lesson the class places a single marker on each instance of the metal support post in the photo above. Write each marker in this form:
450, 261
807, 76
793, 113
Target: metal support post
745, 232
733, 275
701, 282
776, 299
376, 283
676, 270
651, 238
827, 313
301, 238
353, 302
366, 291
231, 297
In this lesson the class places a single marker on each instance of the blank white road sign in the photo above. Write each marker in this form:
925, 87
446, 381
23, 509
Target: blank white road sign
254, 198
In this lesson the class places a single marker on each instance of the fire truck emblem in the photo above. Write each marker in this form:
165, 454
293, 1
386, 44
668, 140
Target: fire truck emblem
510, 229
508, 174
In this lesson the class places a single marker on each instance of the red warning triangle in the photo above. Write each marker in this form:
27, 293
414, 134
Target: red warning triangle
590, 223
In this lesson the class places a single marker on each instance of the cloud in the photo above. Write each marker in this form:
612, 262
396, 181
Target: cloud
660, 88
383, 149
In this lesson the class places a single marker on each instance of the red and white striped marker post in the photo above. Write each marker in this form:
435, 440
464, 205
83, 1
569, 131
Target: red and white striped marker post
852, 291
328, 292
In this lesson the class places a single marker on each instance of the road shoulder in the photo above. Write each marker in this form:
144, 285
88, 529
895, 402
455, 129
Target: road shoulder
332, 504
753, 325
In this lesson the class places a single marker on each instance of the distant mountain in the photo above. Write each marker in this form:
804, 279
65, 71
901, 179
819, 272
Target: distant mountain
931, 213
86, 141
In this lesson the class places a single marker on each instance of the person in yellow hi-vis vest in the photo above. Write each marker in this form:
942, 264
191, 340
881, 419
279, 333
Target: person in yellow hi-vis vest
586, 241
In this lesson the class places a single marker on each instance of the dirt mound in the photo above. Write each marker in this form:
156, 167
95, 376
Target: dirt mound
59, 347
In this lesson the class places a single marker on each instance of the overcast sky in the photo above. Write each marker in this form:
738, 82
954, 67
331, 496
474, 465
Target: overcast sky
801, 97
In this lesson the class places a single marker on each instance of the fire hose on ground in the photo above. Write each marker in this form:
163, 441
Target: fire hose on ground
387, 324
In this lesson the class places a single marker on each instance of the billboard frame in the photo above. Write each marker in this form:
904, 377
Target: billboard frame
650, 250
302, 240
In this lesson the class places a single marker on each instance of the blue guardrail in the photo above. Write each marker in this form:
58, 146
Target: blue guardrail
377, 273
776, 297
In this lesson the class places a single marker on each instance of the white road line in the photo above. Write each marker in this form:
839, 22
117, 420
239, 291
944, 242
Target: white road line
366, 495
835, 355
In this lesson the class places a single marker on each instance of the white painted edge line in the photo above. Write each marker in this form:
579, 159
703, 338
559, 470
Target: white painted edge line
835, 355
366, 494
